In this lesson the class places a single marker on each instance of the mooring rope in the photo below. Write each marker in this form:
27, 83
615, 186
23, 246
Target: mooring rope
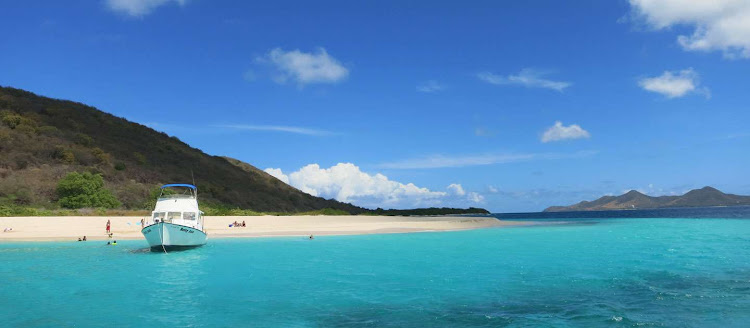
161, 240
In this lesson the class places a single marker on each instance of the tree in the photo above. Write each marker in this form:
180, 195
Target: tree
77, 190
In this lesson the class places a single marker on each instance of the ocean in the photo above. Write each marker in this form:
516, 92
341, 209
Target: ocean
569, 270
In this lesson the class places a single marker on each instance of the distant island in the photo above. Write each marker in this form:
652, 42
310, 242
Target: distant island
704, 197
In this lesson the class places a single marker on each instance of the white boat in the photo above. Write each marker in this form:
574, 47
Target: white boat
176, 221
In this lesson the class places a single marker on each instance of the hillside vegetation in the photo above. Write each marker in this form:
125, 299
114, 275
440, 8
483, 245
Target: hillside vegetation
43, 139
58, 155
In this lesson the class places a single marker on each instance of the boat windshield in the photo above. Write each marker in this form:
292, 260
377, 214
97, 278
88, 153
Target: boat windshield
169, 216
177, 196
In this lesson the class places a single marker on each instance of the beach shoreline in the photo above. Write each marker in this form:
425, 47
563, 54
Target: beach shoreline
70, 228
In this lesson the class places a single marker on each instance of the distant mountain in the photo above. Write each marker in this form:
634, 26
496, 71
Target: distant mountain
704, 197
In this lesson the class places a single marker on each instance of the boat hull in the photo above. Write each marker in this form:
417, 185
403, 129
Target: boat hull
173, 236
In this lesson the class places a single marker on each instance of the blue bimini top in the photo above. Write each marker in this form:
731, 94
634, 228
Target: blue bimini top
178, 185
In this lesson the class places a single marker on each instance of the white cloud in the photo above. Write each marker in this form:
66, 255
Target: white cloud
442, 161
139, 8
347, 183
277, 128
560, 132
527, 77
492, 189
674, 84
305, 68
717, 24
430, 86
475, 197
456, 189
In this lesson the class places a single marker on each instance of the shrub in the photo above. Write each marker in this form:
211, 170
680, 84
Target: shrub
83, 139
26, 129
12, 210
12, 120
48, 130
64, 155
101, 156
23, 197
120, 166
133, 195
22, 162
84, 156
139, 158
325, 211
77, 190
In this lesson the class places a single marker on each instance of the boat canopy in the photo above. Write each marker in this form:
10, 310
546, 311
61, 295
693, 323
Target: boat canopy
178, 185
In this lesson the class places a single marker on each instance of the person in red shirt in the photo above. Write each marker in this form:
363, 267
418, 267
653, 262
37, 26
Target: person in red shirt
108, 226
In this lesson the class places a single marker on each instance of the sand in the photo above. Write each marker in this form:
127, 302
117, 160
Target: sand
70, 228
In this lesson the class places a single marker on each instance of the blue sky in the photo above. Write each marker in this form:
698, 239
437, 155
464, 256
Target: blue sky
425, 103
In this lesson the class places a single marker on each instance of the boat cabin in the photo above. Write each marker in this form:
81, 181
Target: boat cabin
178, 208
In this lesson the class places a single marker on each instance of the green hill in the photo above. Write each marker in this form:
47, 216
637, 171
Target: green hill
43, 139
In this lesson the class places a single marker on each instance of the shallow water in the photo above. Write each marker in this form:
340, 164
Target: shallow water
608, 272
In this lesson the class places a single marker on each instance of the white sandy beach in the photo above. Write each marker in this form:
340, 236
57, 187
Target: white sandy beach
93, 227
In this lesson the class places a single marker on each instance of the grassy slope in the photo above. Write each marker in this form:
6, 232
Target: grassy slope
58, 136
42, 139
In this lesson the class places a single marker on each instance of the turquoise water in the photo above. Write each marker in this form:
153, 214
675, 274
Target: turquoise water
608, 273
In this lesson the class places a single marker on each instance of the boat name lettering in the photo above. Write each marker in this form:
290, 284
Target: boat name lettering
188, 231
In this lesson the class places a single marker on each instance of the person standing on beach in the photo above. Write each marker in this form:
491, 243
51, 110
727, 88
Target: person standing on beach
108, 226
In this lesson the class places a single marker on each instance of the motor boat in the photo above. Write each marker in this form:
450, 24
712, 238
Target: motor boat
176, 221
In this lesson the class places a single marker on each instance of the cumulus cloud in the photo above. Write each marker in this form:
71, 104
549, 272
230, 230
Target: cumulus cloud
717, 24
456, 189
674, 84
528, 77
475, 197
139, 8
430, 86
560, 132
347, 183
276, 128
305, 68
